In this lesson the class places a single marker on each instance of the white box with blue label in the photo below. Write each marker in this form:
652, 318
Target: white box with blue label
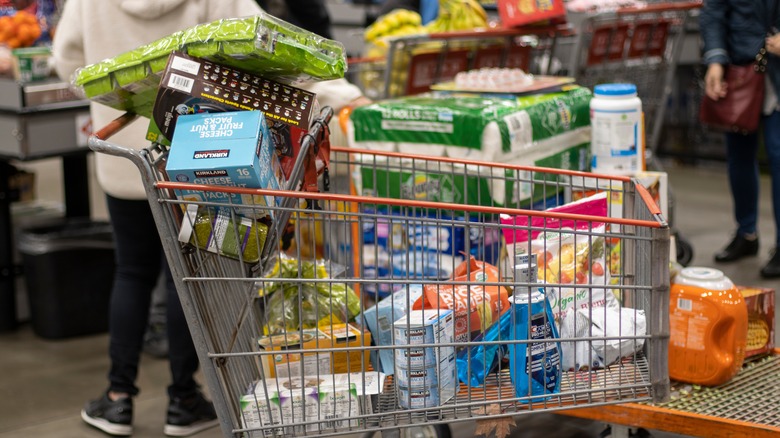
231, 149
426, 376
431, 326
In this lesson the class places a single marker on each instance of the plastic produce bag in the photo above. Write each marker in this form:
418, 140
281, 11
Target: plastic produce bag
619, 327
475, 363
296, 304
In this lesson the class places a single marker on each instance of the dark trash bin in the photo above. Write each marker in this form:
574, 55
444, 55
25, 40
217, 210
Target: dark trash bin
69, 271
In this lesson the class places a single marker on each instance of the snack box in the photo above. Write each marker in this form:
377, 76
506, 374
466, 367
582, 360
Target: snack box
192, 85
346, 340
760, 303
656, 183
285, 365
379, 320
230, 149
334, 399
522, 12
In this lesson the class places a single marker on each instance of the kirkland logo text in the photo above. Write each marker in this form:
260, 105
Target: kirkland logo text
210, 173
220, 153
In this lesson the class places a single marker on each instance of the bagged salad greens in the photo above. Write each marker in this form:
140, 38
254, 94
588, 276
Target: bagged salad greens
296, 304
262, 44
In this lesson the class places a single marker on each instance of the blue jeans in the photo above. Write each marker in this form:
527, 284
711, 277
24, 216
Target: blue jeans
742, 151
139, 260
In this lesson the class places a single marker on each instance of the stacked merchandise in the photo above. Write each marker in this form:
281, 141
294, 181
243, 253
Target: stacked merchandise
547, 130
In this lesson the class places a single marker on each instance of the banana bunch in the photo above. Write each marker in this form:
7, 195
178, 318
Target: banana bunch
399, 22
458, 15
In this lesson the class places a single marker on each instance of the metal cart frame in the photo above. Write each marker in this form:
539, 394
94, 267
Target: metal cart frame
219, 295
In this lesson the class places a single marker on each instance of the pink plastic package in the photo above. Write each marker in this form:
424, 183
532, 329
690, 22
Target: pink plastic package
572, 254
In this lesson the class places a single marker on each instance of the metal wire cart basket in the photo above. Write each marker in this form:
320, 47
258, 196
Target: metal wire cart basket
409, 289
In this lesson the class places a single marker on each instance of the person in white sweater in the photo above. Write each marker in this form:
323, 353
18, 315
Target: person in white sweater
88, 32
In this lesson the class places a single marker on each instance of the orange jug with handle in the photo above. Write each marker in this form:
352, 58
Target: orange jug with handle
708, 327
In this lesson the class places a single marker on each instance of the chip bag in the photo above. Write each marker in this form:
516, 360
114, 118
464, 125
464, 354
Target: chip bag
477, 305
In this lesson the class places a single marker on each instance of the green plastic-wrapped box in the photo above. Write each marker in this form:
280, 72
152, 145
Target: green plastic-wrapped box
261, 44
218, 231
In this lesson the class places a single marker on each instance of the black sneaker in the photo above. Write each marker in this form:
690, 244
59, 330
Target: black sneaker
112, 417
190, 416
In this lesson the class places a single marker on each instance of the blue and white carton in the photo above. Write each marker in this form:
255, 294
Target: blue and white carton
231, 149
426, 375
380, 318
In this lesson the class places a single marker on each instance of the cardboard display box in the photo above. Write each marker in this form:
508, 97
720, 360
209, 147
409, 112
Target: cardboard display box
760, 303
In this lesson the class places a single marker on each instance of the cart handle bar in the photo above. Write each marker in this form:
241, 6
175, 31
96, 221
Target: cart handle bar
661, 7
450, 160
115, 126
407, 203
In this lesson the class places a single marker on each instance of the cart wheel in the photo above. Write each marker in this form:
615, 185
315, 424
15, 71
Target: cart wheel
684, 250
433, 431
638, 433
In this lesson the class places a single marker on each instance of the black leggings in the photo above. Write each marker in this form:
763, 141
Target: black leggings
139, 262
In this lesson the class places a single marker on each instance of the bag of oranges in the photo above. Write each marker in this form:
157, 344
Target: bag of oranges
21, 29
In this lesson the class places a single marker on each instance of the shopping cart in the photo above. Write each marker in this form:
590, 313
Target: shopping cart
415, 62
252, 308
637, 45
641, 46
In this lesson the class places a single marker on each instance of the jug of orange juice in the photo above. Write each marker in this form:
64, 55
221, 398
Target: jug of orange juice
708, 327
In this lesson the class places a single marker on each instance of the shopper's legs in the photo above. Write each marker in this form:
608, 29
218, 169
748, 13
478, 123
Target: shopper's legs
137, 254
772, 144
743, 178
182, 354
137, 246
156, 336
188, 411
741, 153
